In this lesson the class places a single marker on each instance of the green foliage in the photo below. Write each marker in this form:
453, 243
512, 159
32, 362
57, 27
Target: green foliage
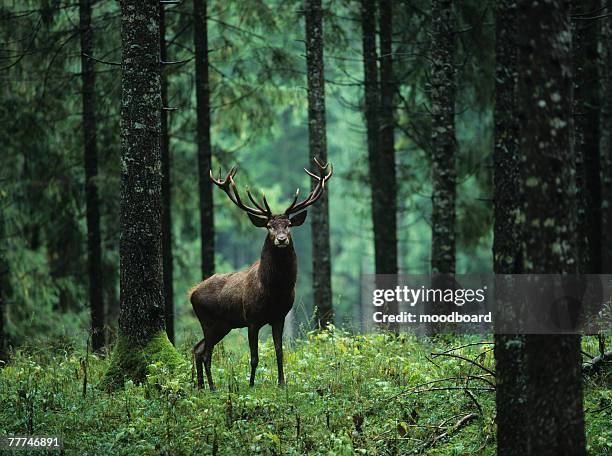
377, 394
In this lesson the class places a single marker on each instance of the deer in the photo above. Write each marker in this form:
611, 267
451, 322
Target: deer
261, 294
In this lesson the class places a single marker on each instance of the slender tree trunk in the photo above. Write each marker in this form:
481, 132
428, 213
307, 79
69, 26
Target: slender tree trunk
443, 138
606, 143
207, 223
166, 188
372, 120
586, 137
378, 108
94, 249
554, 390
388, 184
509, 348
142, 335
4, 286
317, 145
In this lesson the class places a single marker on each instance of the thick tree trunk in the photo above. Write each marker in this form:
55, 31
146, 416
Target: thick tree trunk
142, 335
317, 145
586, 137
94, 249
509, 348
554, 389
443, 138
166, 189
207, 224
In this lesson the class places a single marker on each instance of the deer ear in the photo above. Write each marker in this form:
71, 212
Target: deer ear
259, 222
298, 219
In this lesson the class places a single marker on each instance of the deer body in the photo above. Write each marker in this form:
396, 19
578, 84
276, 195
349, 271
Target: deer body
260, 295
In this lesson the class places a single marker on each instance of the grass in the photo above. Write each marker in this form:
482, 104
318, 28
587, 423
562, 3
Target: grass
346, 395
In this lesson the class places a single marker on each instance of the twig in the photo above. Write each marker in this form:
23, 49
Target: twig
464, 346
106, 62
435, 355
474, 400
594, 364
458, 425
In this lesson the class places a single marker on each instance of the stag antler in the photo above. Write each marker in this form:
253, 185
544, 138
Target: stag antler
316, 192
229, 187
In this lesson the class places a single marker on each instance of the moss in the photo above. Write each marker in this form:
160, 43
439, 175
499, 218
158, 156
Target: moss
130, 360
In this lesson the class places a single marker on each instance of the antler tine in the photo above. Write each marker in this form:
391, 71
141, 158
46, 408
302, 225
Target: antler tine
254, 201
229, 187
265, 201
316, 192
316, 160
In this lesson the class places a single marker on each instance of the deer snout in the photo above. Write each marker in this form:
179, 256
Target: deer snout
281, 240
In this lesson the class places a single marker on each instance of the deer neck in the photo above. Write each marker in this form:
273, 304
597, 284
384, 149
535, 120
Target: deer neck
278, 267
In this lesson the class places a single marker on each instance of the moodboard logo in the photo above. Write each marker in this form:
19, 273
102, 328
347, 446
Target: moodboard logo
486, 303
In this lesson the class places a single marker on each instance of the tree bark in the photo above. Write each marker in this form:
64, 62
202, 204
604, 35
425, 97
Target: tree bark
94, 248
554, 390
142, 336
207, 223
379, 119
388, 184
606, 143
166, 188
443, 138
509, 348
317, 146
586, 138
4, 286
380, 128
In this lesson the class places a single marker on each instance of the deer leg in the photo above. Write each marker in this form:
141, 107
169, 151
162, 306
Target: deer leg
198, 352
253, 345
277, 335
208, 351
212, 336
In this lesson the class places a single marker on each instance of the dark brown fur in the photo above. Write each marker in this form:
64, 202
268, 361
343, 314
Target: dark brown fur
262, 294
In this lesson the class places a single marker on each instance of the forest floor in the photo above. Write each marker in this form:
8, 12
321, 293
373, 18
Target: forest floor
346, 395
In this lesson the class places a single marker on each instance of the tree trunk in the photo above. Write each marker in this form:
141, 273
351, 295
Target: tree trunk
443, 138
317, 145
381, 169
207, 224
4, 286
142, 335
166, 189
554, 389
388, 184
509, 348
606, 143
586, 137
94, 249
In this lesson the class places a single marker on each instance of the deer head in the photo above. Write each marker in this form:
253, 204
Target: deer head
278, 225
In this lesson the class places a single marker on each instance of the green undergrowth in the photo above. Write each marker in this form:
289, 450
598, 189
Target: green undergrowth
345, 395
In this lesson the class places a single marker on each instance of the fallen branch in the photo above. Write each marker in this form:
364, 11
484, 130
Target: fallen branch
471, 361
458, 425
596, 363
466, 345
